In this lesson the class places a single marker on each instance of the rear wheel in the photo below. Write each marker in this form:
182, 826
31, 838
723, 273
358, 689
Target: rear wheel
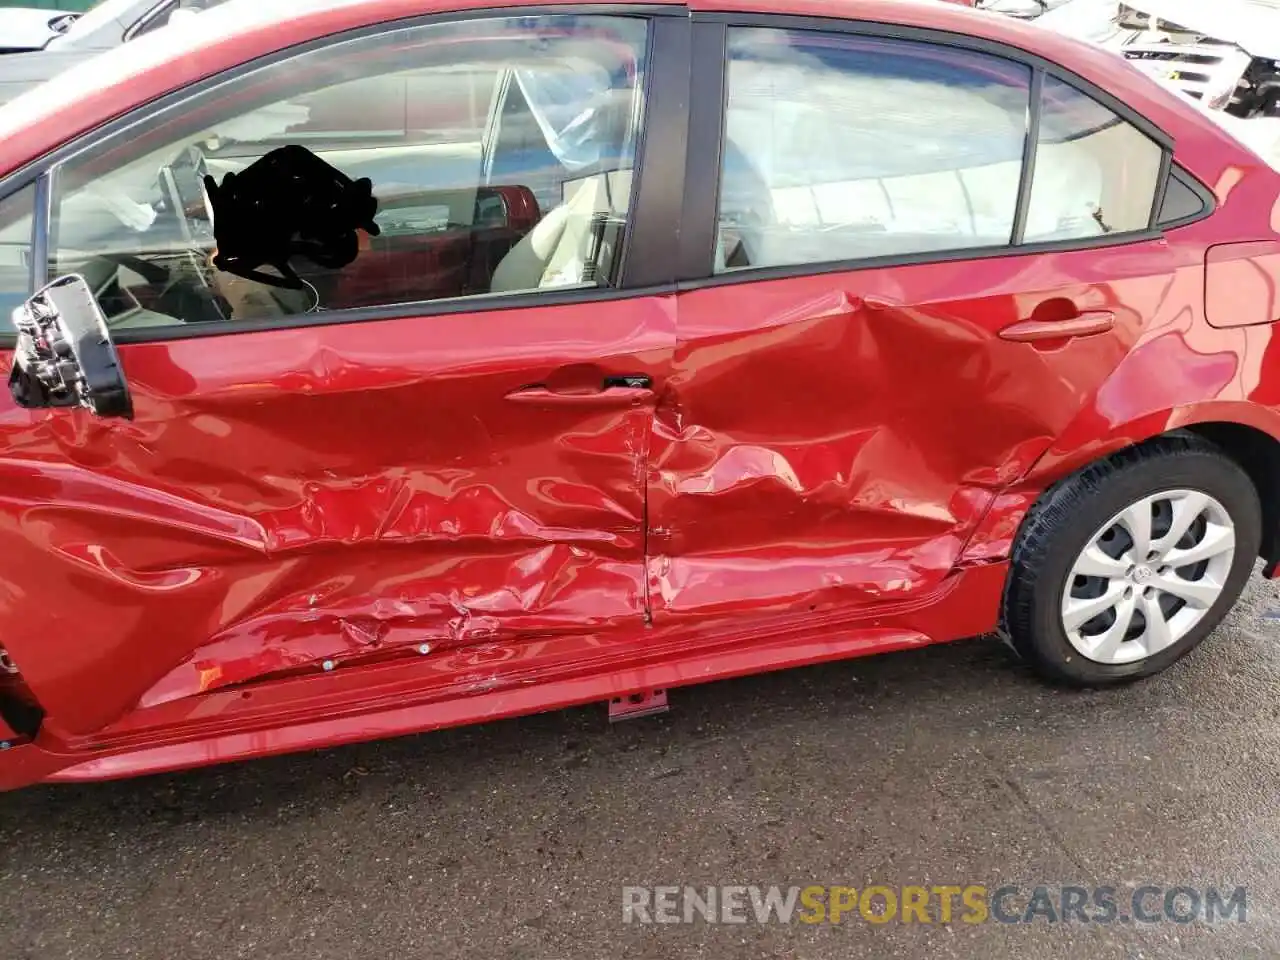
1126, 566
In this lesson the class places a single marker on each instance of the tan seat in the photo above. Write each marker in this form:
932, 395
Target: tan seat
555, 252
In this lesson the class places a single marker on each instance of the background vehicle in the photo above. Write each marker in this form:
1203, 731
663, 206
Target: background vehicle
78, 38
1223, 55
615, 360
1020, 9
27, 28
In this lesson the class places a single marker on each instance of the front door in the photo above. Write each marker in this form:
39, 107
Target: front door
441, 443
890, 329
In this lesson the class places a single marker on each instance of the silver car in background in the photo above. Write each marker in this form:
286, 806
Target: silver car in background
1224, 54
107, 24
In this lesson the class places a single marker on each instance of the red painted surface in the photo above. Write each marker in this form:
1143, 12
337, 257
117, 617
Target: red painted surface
793, 466
374, 488
460, 518
473, 686
1241, 283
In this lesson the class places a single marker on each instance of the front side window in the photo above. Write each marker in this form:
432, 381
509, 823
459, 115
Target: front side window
841, 148
16, 211
499, 153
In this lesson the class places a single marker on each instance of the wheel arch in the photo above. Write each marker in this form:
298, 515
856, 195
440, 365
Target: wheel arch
1258, 452
1246, 432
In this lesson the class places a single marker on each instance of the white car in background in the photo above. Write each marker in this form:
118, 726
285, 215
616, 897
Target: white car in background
28, 28
1223, 55
107, 24
1020, 9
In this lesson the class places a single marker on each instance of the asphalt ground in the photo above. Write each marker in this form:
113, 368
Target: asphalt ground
951, 765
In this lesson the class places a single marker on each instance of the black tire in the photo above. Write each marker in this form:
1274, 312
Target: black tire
1060, 525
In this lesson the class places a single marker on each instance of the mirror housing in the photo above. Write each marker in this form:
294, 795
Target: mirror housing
64, 356
62, 23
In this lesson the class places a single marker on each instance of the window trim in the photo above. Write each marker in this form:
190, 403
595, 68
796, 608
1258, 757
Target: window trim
41, 217
701, 207
648, 258
709, 84
1030, 147
1162, 187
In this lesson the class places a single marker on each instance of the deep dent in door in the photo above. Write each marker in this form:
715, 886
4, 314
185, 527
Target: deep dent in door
363, 494
821, 448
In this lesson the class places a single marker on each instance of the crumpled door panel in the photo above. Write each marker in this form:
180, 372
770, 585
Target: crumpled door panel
331, 493
835, 439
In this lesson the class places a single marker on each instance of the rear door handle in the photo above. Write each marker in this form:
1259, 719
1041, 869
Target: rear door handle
1084, 324
613, 392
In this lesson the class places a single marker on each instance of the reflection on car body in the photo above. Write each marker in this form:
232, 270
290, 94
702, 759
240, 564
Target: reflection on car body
661, 345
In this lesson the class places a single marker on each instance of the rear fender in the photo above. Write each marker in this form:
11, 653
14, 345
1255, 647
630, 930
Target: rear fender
993, 538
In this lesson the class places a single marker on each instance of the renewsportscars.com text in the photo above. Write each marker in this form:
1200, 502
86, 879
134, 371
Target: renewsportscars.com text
966, 904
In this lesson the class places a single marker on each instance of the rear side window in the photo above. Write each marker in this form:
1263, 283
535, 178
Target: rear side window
1182, 202
1095, 173
16, 211
841, 147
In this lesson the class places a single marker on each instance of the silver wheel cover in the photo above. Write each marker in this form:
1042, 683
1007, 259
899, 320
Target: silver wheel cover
1147, 576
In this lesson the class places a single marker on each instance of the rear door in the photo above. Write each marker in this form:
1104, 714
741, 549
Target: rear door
440, 445
919, 261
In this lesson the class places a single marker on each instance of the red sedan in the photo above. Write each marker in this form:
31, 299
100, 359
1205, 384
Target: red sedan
374, 371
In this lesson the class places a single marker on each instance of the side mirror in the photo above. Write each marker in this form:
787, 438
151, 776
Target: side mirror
61, 24
64, 356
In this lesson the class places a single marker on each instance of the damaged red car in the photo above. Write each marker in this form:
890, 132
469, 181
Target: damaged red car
379, 366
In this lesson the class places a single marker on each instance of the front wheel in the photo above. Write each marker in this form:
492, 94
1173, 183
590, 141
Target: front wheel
1128, 565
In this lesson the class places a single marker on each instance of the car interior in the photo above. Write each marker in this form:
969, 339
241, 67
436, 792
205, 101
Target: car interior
931, 185
472, 199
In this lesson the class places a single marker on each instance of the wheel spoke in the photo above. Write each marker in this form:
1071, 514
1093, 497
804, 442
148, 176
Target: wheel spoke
1095, 563
1077, 611
1185, 510
1137, 521
1157, 635
1197, 593
1104, 646
1217, 540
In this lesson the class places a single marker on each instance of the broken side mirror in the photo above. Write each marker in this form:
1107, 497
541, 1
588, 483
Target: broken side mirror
64, 356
